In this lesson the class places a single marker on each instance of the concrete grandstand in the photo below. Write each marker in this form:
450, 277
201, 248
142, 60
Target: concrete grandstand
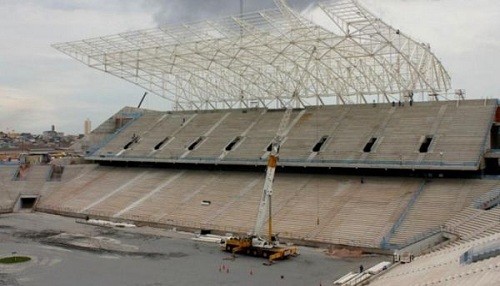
452, 141
382, 170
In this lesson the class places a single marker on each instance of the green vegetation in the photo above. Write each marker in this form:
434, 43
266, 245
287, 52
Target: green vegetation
14, 259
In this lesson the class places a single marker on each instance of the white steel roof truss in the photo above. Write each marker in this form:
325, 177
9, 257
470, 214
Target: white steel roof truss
264, 57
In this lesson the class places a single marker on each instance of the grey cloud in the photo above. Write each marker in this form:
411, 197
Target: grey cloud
186, 11
108, 5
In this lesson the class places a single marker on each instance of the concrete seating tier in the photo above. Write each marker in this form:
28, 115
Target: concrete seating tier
310, 128
258, 138
109, 126
482, 222
354, 132
197, 126
333, 209
72, 171
234, 125
82, 191
226, 194
473, 222
123, 199
134, 130
314, 207
378, 204
37, 173
150, 135
34, 181
458, 132
403, 134
462, 132
440, 200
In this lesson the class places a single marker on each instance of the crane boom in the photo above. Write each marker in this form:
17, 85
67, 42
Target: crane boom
272, 160
256, 245
265, 202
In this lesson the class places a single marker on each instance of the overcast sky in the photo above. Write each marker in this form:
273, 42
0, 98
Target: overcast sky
40, 86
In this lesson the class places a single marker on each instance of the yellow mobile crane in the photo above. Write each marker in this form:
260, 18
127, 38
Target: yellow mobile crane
255, 244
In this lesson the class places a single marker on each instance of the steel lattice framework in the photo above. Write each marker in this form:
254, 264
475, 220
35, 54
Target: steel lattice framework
263, 58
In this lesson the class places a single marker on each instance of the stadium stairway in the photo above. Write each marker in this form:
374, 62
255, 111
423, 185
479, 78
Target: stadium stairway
440, 200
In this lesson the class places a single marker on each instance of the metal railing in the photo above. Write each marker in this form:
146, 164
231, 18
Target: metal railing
292, 162
386, 239
481, 252
414, 239
489, 199
50, 171
15, 174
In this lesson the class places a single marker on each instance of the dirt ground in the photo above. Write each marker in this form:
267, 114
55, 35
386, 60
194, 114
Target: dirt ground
64, 252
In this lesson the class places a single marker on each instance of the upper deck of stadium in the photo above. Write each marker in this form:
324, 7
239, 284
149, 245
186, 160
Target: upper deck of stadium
450, 135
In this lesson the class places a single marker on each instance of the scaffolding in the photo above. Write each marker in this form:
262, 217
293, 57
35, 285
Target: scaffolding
256, 59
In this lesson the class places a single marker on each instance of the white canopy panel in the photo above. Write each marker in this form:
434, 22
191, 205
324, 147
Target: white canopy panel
335, 52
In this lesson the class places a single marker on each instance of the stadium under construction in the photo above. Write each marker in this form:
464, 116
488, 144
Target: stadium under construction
376, 152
